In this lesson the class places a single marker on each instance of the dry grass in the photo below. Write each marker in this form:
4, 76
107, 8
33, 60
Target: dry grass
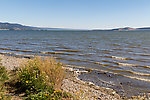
40, 79
50, 68
3, 79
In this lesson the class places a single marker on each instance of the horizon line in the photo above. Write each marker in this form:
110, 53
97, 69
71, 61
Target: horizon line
108, 28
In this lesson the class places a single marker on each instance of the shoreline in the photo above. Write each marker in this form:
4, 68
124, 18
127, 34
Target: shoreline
70, 84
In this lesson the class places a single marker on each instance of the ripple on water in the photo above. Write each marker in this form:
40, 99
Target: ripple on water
124, 56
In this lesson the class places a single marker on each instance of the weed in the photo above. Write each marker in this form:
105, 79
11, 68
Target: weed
3, 78
41, 78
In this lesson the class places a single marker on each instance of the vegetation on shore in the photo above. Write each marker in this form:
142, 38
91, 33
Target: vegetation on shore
3, 79
37, 79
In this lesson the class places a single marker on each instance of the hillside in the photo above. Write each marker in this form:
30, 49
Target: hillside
145, 28
11, 26
126, 29
131, 29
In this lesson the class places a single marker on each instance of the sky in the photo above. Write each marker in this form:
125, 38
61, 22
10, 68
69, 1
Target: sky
77, 14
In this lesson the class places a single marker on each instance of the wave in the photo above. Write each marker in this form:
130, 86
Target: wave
115, 73
69, 50
132, 65
106, 65
59, 53
119, 58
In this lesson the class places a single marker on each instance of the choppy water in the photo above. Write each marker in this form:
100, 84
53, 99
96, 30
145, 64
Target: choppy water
124, 56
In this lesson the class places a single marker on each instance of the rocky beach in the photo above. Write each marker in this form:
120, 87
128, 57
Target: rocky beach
81, 89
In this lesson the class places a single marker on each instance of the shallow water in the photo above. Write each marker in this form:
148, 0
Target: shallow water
126, 55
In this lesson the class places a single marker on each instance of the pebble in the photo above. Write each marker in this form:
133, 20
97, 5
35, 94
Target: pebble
79, 88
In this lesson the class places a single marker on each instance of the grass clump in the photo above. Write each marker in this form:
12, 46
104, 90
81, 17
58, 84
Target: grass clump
3, 78
41, 78
3, 73
55, 95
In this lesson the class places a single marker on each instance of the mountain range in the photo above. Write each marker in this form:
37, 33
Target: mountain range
126, 29
12, 26
131, 29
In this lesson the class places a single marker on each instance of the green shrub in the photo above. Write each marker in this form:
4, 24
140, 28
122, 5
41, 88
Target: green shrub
56, 95
40, 79
31, 80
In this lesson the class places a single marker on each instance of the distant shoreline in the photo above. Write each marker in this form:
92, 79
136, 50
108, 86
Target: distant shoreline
39, 30
12, 26
94, 30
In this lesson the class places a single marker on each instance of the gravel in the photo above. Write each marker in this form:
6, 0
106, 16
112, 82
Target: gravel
80, 89
86, 90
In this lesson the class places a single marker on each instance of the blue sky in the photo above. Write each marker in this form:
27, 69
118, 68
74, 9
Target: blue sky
77, 14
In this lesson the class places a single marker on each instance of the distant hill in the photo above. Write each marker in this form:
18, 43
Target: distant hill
11, 26
145, 28
131, 29
127, 29
124, 29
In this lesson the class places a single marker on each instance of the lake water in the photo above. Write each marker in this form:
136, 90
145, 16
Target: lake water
122, 58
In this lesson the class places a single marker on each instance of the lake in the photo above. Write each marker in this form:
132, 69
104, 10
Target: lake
122, 58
